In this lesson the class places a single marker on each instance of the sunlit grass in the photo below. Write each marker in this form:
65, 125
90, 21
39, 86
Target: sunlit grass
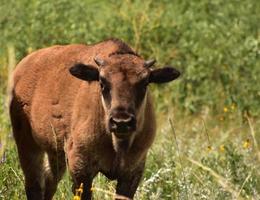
228, 170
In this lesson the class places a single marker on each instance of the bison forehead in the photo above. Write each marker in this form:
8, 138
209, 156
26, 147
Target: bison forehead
128, 67
121, 74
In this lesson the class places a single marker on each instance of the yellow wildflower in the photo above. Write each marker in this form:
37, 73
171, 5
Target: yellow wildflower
29, 50
209, 148
246, 144
233, 106
79, 192
222, 148
225, 109
76, 197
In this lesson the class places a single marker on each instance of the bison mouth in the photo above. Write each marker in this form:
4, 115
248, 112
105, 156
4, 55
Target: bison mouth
121, 135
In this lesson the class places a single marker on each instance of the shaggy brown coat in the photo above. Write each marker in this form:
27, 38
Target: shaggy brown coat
57, 117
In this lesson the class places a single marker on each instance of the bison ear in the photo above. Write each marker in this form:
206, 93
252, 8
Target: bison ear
163, 75
85, 72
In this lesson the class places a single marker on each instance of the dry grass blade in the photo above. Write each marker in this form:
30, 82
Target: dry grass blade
221, 180
252, 131
206, 131
175, 137
6, 99
16, 175
178, 152
239, 192
11, 66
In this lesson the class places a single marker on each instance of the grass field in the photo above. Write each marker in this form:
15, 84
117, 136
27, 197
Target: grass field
208, 139
193, 157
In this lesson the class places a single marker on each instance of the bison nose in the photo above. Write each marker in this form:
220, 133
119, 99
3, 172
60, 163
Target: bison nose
123, 125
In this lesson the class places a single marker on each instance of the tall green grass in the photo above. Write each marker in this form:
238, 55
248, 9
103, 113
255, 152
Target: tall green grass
214, 43
180, 164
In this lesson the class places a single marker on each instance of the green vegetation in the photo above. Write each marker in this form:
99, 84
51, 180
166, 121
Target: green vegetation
191, 167
215, 106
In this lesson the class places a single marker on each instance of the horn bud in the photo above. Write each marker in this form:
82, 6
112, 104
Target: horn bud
99, 62
149, 63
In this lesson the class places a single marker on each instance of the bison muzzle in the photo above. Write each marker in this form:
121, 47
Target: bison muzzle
89, 107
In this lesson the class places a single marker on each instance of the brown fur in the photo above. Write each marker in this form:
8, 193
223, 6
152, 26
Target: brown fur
56, 116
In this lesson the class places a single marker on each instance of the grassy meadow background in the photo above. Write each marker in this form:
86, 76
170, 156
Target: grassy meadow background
208, 141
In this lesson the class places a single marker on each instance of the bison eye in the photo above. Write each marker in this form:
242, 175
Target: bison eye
141, 87
142, 84
104, 85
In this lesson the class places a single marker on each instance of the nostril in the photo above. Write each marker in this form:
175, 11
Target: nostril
113, 123
131, 122
123, 124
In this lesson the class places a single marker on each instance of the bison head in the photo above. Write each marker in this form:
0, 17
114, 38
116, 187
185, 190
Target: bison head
123, 81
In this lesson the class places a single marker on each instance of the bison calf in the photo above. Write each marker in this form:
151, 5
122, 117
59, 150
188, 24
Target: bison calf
89, 105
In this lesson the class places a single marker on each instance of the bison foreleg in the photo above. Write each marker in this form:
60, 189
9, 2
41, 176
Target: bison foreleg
87, 184
128, 182
30, 154
54, 169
